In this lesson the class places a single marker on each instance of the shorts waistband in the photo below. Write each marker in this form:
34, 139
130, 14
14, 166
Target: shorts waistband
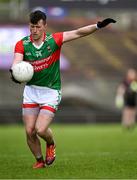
40, 87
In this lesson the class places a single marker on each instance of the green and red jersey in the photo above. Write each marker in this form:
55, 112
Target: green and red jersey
44, 59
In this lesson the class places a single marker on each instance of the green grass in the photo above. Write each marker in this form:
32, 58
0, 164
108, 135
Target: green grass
83, 151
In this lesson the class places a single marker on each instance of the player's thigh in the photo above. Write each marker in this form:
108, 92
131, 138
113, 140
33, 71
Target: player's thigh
29, 122
43, 122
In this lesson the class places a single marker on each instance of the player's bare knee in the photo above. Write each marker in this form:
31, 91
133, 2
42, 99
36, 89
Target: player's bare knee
41, 131
30, 132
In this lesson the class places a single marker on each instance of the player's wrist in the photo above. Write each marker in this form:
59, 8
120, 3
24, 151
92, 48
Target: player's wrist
105, 22
97, 26
12, 77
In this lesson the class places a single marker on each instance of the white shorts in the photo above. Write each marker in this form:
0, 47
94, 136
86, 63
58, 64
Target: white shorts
41, 97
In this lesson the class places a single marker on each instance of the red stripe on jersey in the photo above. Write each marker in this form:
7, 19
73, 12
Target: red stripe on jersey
46, 62
48, 108
58, 37
30, 105
19, 48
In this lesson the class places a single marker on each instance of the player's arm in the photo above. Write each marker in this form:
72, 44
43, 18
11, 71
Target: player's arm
121, 89
119, 99
80, 32
18, 52
86, 30
18, 57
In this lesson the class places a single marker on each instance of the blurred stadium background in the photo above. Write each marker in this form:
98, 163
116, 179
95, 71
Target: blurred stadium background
91, 67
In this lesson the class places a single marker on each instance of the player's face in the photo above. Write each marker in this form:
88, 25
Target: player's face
37, 30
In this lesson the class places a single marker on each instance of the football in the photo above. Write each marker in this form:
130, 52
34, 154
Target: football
23, 71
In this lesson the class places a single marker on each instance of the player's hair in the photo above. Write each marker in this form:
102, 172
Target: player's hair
36, 16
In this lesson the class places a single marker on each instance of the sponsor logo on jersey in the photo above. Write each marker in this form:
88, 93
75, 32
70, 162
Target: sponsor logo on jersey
44, 63
41, 64
28, 53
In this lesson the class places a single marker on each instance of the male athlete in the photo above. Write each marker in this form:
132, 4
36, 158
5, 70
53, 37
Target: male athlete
42, 94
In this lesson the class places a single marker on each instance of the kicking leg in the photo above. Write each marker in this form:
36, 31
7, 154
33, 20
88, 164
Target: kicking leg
42, 127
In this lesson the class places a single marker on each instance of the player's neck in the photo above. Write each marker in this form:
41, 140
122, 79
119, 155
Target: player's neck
38, 42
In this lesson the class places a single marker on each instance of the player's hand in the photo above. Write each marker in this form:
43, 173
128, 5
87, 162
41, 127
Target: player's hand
105, 22
119, 101
133, 86
12, 77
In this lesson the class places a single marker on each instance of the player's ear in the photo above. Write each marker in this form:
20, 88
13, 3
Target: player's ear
45, 25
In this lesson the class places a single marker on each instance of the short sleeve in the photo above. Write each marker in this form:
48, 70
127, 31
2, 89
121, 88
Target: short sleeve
58, 37
19, 48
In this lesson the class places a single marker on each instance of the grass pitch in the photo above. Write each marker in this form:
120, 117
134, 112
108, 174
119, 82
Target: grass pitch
83, 152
